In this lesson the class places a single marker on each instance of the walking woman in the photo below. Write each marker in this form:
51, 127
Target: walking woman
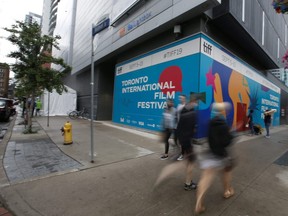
217, 157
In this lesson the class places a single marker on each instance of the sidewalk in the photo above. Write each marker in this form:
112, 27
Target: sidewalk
120, 181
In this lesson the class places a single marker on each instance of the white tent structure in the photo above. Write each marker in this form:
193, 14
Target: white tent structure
56, 104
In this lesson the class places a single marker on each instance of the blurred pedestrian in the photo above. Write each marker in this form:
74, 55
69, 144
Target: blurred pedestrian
169, 117
38, 106
186, 130
31, 105
218, 156
180, 106
267, 122
23, 107
251, 123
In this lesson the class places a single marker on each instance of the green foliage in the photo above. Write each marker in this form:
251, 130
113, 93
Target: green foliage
32, 69
34, 49
4, 65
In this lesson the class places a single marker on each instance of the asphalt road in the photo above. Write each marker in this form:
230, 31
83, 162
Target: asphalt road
3, 128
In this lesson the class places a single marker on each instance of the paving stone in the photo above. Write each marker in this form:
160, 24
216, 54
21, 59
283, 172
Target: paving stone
31, 158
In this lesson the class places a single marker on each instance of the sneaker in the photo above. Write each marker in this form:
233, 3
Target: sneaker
180, 157
267, 136
190, 187
164, 157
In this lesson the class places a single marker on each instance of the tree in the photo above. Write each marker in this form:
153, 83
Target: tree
31, 74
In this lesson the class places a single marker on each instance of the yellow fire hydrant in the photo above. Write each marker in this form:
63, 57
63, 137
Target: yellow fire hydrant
67, 133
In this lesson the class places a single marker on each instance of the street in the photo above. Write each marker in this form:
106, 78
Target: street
3, 129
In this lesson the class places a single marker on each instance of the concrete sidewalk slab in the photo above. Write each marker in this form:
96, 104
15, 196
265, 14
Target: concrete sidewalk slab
121, 180
111, 144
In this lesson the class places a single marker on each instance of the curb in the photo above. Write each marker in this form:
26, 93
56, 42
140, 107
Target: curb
3, 207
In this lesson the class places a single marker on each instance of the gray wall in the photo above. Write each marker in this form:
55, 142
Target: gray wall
275, 25
104, 72
112, 49
154, 16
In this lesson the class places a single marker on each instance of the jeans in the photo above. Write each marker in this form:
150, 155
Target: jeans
267, 125
167, 134
251, 126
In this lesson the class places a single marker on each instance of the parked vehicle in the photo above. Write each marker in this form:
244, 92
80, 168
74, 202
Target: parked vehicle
11, 105
5, 109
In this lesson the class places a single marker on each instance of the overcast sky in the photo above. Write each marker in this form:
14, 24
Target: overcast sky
10, 11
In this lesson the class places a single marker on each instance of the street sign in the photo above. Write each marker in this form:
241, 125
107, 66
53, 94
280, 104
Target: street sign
100, 26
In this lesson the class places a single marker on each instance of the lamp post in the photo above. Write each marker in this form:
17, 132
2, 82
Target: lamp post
48, 109
101, 25
92, 95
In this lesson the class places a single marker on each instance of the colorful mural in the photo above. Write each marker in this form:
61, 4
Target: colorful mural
223, 77
193, 65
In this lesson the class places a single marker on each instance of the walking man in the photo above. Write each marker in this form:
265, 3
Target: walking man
180, 106
186, 131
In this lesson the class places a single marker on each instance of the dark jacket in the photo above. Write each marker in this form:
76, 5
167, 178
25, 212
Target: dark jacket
250, 118
267, 119
219, 136
187, 123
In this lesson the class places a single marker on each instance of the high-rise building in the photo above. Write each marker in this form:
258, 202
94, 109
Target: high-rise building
147, 51
281, 74
49, 13
32, 17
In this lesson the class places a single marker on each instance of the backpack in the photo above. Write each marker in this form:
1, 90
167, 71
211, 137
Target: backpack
187, 123
219, 136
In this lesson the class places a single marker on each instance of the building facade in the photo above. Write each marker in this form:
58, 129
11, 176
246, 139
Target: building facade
49, 14
281, 74
122, 32
4, 79
32, 17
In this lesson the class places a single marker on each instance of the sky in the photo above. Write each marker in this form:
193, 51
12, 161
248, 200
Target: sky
10, 11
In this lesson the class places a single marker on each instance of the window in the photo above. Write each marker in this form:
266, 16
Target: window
243, 10
285, 35
2, 103
263, 28
278, 49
